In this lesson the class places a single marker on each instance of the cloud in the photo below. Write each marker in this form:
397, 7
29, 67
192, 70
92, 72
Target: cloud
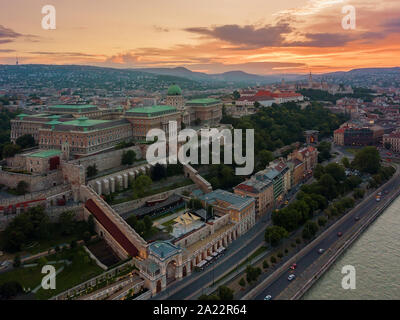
160, 29
8, 35
64, 54
250, 35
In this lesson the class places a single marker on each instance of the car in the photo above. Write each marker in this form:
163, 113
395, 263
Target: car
268, 297
291, 277
293, 266
339, 234
386, 191
356, 218
321, 251
379, 193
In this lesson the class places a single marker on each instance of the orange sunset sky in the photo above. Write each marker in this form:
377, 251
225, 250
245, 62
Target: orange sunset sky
212, 36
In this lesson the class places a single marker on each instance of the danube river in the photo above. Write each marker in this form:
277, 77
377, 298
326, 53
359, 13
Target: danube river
376, 258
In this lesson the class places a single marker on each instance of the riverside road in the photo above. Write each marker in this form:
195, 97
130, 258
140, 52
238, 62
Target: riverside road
281, 282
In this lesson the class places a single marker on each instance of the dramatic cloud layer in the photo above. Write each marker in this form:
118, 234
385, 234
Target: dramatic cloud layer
211, 36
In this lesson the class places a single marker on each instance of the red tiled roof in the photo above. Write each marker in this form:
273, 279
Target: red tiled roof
261, 93
112, 229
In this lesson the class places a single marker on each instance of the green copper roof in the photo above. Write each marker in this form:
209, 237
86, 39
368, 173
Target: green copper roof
151, 110
46, 153
204, 101
21, 115
84, 122
54, 122
174, 90
54, 116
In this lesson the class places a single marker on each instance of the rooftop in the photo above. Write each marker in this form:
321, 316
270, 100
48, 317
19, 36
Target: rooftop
235, 201
73, 106
85, 122
203, 102
163, 249
152, 110
174, 90
46, 153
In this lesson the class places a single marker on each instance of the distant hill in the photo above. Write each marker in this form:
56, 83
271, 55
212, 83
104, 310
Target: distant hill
154, 79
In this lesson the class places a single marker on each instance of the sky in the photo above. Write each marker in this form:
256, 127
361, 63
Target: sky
212, 36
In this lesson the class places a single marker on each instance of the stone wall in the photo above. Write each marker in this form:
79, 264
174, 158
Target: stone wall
106, 160
35, 182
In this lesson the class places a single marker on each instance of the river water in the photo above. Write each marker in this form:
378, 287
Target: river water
375, 256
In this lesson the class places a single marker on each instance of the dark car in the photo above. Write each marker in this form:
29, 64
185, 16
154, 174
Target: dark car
357, 218
339, 234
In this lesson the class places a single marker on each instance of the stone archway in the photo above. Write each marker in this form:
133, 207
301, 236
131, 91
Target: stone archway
158, 286
184, 272
171, 272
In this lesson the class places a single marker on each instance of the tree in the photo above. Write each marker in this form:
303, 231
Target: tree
367, 160
328, 186
358, 193
274, 234
324, 149
252, 273
336, 171
158, 172
319, 171
346, 162
265, 157
67, 222
22, 187
242, 282
225, 293
265, 264
148, 224
140, 227
140, 184
236, 95
10, 150
91, 170
86, 237
128, 157
25, 141
309, 230
322, 221
132, 220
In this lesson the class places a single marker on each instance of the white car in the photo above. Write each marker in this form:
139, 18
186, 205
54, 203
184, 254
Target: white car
268, 297
291, 277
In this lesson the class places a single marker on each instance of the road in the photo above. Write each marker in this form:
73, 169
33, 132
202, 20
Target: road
281, 283
235, 252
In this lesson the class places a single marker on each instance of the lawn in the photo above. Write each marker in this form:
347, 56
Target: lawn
168, 223
81, 269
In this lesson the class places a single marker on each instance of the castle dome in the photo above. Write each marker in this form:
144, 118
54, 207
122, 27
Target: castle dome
174, 90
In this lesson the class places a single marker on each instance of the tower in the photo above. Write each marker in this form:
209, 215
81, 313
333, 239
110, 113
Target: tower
310, 81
